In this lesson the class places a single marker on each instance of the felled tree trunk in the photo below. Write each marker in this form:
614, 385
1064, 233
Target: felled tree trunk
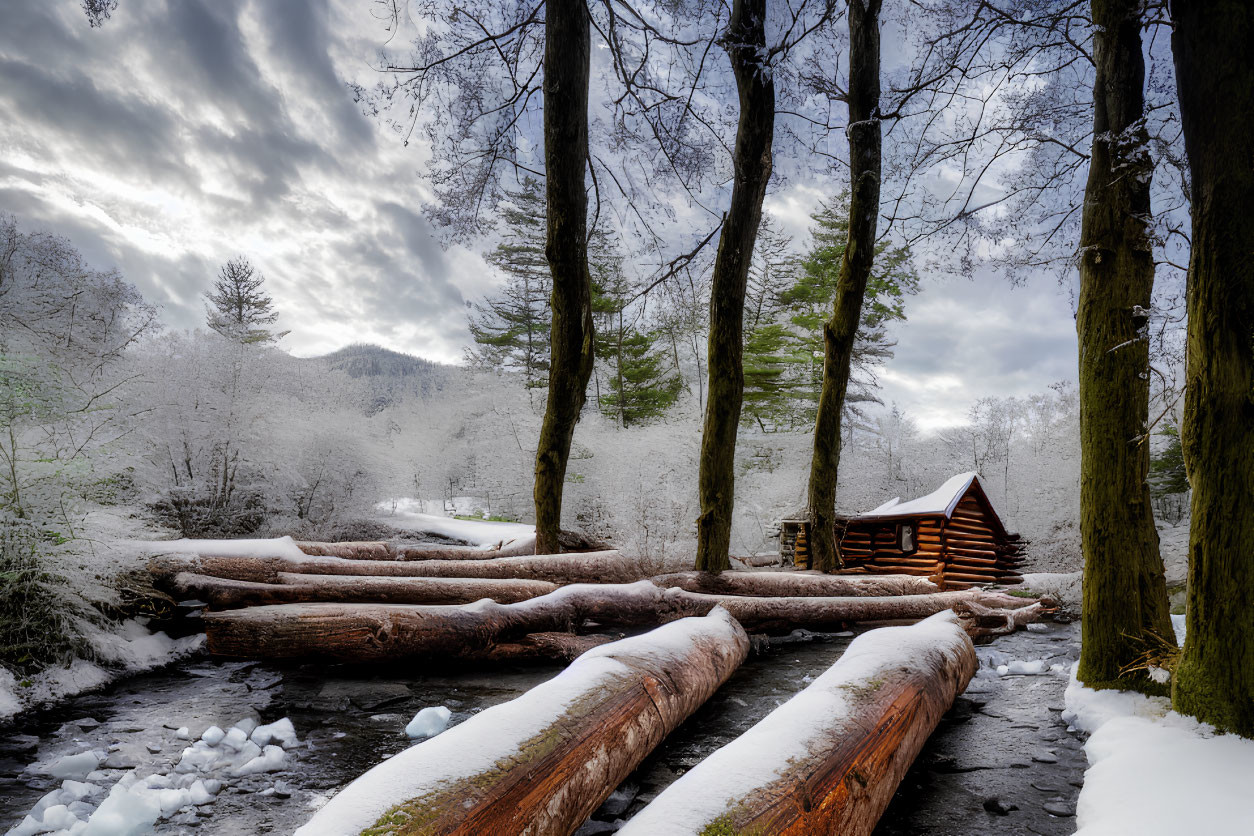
378, 632
567, 56
355, 550
543, 762
795, 584
841, 330
829, 759
588, 567
225, 593
745, 42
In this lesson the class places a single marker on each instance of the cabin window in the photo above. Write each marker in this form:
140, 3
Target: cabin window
905, 537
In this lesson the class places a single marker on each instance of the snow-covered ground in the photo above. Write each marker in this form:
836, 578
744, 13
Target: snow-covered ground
412, 515
128, 648
1153, 771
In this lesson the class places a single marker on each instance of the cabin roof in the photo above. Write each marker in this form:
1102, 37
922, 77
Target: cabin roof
940, 502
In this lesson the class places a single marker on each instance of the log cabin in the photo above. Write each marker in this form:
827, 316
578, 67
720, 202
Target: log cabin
952, 536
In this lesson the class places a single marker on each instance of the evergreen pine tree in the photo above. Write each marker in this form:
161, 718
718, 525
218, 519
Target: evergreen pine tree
640, 382
770, 349
511, 327
238, 308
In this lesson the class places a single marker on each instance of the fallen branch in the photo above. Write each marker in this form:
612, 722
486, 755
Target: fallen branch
543, 762
829, 759
377, 632
796, 583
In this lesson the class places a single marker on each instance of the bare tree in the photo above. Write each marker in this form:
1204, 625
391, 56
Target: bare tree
238, 308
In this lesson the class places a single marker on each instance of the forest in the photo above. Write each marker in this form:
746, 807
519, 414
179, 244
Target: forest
664, 362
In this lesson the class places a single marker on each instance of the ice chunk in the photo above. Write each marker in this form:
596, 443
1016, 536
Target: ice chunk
1019, 668
77, 790
127, 811
171, 800
281, 732
272, 759
75, 766
183, 733
213, 735
197, 758
199, 793
246, 753
429, 722
247, 725
235, 739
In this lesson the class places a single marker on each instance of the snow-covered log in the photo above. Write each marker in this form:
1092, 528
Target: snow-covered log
225, 593
805, 583
356, 550
543, 762
587, 567
377, 632
829, 759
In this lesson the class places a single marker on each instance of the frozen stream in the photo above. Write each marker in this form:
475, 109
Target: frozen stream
346, 719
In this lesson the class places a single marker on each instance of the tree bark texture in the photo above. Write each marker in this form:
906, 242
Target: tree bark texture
567, 52
587, 567
1125, 594
392, 632
745, 42
865, 720
1214, 679
840, 331
303, 588
292, 588
542, 763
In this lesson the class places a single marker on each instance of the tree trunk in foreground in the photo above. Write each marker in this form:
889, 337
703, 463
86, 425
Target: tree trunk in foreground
1214, 680
302, 588
379, 632
745, 42
542, 763
841, 330
1125, 594
865, 720
567, 52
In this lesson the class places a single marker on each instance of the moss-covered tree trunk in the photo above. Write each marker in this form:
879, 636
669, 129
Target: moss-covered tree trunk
1215, 77
1125, 597
567, 51
745, 42
840, 331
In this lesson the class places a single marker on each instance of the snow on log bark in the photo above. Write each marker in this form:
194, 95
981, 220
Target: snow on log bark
543, 762
357, 550
829, 759
587, 567
791, 583
225, 593
379, 632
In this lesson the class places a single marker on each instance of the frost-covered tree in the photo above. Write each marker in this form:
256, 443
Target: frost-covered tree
64, 410
238, 308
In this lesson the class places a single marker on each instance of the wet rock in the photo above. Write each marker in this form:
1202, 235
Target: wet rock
117, 760
22, 744
153, 748
618, 802
87, 723
1045, 757
368, 696
998, 807
596, 828
1044, 787
1059, 808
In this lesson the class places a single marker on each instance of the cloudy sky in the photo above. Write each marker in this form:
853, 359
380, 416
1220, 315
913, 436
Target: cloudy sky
185, 132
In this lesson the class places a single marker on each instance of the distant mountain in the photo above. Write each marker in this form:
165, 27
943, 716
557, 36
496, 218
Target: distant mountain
366, 360
389, 376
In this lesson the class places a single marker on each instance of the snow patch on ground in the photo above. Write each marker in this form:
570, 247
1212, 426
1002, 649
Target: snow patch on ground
1154, 772
84, 804
1063, 587
407, 514
429, 722
124, 648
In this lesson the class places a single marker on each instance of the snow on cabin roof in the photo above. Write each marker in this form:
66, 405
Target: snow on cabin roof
943, 500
